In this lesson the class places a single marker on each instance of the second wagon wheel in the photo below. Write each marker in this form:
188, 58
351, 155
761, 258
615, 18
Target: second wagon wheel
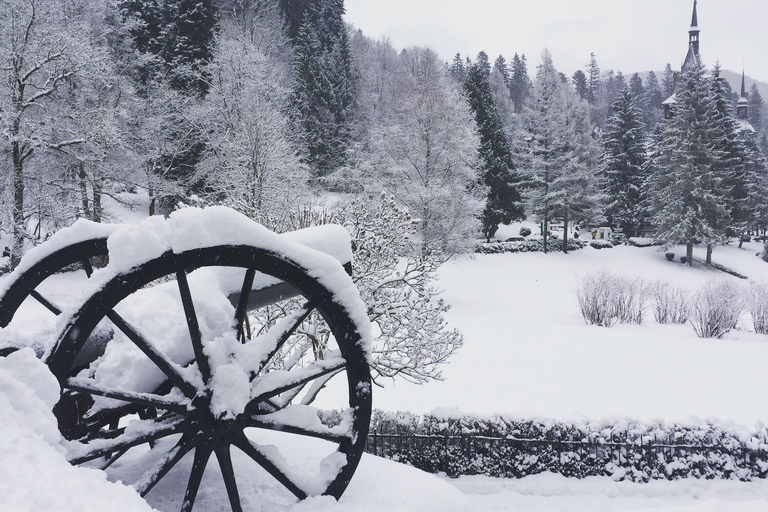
176, 348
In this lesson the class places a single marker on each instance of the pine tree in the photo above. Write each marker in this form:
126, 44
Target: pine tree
503, 203
458, 72
756, 105
689, 202
653, 100
668, 82
623, 163
579, 81
520, 84
637, 89
593, 80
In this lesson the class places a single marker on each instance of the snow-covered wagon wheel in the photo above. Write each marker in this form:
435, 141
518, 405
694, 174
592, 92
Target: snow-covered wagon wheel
25, 283
177, 379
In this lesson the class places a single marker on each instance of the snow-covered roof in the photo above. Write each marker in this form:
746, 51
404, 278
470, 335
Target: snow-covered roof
743, 101
672, 100
745, 126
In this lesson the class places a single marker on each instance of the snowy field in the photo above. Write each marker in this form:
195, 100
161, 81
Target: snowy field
527, 352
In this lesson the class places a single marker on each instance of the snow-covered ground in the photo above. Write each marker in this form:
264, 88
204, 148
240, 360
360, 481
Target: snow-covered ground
527, 352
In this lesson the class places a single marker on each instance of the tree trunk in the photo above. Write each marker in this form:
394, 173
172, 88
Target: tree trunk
741, 240
96, 217
18, 200
544, 231
709, 254
565, 233
689, 253
83, 190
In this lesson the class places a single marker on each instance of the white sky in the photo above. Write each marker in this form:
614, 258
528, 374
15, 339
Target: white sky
625, 35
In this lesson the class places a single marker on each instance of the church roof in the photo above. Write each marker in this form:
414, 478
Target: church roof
691, 59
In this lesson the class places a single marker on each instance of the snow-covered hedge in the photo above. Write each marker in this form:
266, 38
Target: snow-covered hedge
638, 241
601, 244
502, 446
536, 245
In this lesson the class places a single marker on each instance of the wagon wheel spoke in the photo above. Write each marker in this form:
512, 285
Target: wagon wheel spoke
87, 386
256, 422
228, 473
300, 379
250, 449
163, 466
87, 267
202, 454
168, 367
242, 303
193, 325
45, 302
283, 330
111, 460
107, 446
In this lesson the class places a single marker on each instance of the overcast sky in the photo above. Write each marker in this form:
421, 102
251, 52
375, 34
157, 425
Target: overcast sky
625, 35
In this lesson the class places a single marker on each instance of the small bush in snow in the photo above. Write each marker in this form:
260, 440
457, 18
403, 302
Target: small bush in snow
683, 259
670, 303
596, 296
534, 245
630, 299
716, 309
670, 256
524, 231
758, 307
765, 251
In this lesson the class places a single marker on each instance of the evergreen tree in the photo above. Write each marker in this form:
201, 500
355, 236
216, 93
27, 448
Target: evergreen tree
623, 163
756, 104
755, 166
637, 89
520, 83
579, 80
689, 202
729, 144
503, 203
324, 83
458, 72
668, 82
500, 66
653, 101
484, 63
189, 34
593, 80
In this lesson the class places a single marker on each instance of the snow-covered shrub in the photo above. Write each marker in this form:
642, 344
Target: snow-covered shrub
683, 259
524, 231
670, 256
757, 304
670, 303
597, 301
535, 245
601, 244
619, 238
716, 309
765, 251
638, 241
629, 299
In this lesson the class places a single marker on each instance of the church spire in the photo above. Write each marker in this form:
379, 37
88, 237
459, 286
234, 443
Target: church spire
695, 18
742, 108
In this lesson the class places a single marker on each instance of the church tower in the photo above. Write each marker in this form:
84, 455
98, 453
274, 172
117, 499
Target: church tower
742, 109
693, 57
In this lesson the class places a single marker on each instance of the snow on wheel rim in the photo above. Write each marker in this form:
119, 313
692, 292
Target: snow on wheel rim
210, 422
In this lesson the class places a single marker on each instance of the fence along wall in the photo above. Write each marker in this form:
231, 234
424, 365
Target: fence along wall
625, 450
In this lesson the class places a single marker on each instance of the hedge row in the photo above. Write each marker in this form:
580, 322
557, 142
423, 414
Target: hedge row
535, 245
502, 446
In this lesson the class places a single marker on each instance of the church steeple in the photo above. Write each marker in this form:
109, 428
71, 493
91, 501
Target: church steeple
742, 109
693, 33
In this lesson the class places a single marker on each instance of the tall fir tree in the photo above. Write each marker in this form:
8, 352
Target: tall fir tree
689, 201
520, 83
668, 81
503, 203
653, 100
458, 72
756, 105
579, 80
623, 164
324, 86
593, 80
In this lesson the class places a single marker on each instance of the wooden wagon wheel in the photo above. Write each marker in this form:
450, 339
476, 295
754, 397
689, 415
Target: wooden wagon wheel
26, 283
186, 396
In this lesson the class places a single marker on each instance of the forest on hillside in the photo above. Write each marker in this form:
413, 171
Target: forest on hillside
272, 107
